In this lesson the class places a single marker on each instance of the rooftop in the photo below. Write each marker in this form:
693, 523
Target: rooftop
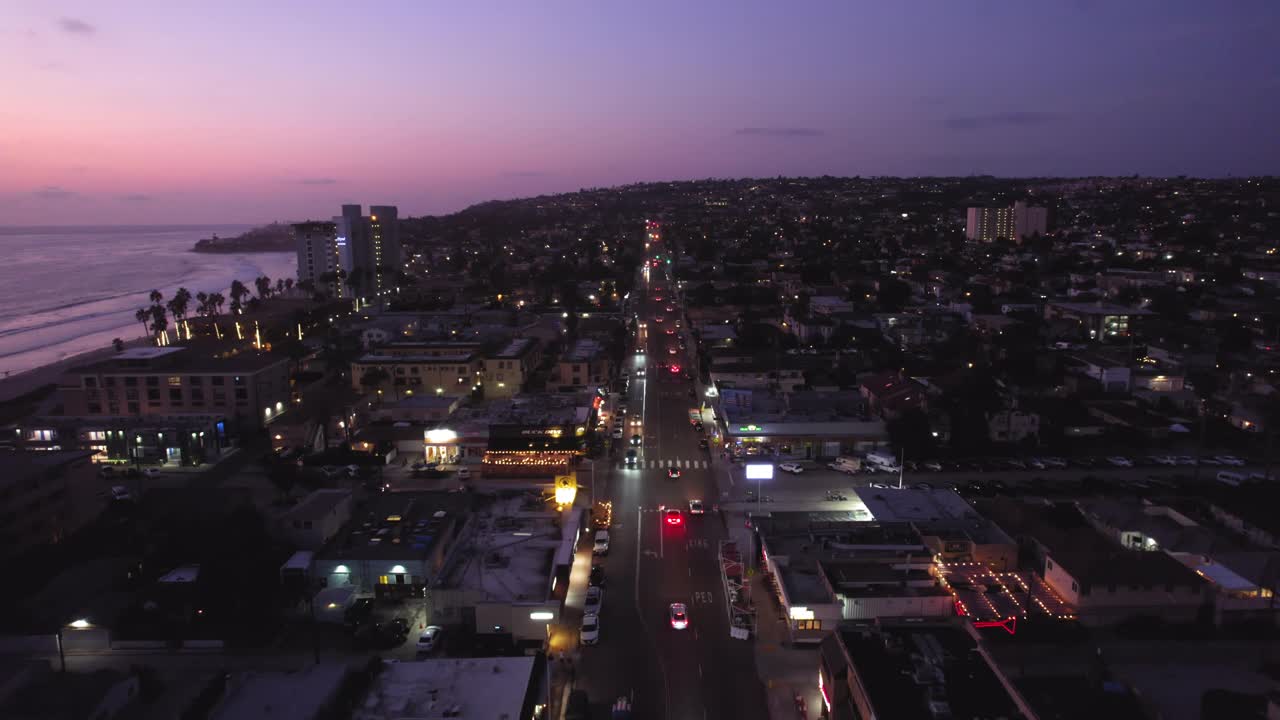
583, 350
912, 505
924, 672
194, 358
1126, 568
511, 555
280, 695
399, 525
1099, 308
20, 466
319, 502
516, 348
465, 689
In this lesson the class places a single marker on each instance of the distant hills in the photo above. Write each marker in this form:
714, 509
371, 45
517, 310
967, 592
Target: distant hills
268, 238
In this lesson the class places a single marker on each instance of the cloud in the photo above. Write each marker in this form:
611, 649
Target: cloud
525, 173
53, 192
76, 26
781, 132
136, 197
1017, 118
317, 181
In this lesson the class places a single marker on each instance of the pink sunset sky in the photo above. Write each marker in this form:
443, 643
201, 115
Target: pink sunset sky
200, 112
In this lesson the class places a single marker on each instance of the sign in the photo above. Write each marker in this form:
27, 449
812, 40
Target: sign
738, 633
566, 489
750, 428
759, 471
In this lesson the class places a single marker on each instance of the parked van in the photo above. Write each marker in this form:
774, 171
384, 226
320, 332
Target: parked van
884, 461
1230, 478
846, 464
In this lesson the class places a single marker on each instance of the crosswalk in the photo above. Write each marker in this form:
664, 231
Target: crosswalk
662, 464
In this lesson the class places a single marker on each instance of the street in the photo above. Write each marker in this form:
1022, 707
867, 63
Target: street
694, 673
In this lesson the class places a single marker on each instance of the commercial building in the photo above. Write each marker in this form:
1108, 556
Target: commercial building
248, 389
301, 695
316, 519
988, 224
462, 689
397, 546
45, 497
324, 256
875, 559
803, 425
1096, 320
913, 671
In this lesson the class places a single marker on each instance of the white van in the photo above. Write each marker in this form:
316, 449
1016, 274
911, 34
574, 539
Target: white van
884, 461
846, 464
1230, 478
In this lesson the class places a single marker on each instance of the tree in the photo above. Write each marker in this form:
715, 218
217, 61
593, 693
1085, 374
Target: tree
178, 306
156, 297
238, 293
202, 303
263, 286
374, 378
159, 320
893, 294
117, 344
143, 315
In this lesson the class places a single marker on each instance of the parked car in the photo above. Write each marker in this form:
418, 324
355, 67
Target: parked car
932, 466
1231, 460
464, 474
1120, 461
589, 633
597, 576
594, 599
601, 546
792, 468
429, 640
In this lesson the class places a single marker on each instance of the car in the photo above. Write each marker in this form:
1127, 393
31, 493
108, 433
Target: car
601, 546
679, 616
331, 471
999, 486
1229, 460
923, 486
594, 599
640, 372
1165, 460
792, 468
151, 472
597, 576
464, 474
120, 493
359, 612
430, 638
672, 351
589, 633
1016, 464
1054, 462
673, 473
703, 444
636, 439
670, 308
659, 319
106, 471
616, 434
670, 331
696, 508
673, 516
1185, 460
398, 627
631, 458
1120, 461
1036, 463
932, 466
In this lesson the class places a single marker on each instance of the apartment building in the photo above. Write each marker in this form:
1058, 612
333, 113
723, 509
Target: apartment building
506, 372
248, 390
45, 497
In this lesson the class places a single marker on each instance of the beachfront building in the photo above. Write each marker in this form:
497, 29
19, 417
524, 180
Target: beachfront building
324, 256
373, 242
157, 386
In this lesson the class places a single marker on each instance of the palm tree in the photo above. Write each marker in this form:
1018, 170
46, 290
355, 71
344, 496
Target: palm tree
263, 285
216, 301
238, 292
159, 321
156, 297
143, 316
178, 307
202, 303
279, 286
288, 284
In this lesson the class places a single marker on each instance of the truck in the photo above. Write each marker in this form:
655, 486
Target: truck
884, 461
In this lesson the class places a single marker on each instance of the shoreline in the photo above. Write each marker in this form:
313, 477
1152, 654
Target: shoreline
26, 381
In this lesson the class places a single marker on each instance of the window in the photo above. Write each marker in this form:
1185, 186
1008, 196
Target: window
242, 393
131, 382
219, 396
91, 382
1048, 564
95, 408
133, 408
217, 380
99, 435
197, 395
808, 624
196, 380
111, 382
175, 396
131, 394
1074, 586
153, 395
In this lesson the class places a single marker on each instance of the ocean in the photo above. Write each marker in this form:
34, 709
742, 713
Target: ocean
68, 290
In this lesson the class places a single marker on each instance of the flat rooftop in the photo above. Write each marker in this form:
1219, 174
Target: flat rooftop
276, 695
515, 348
399, 525
541, 409
198, 358
511, 555
583, 350
464, 689
319, 502
912, 505
926, 672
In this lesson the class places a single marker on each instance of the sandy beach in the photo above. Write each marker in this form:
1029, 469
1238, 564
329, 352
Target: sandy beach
19, 384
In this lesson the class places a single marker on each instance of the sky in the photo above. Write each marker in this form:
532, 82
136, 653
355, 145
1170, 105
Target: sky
191, 111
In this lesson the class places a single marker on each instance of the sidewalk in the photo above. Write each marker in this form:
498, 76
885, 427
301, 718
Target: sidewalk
785, 670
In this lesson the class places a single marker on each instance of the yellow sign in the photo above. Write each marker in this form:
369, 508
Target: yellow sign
566, 489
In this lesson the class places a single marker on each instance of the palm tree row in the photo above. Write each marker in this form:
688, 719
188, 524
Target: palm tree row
155, 317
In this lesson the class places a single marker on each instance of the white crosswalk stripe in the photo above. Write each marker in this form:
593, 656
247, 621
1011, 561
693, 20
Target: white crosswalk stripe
664, 463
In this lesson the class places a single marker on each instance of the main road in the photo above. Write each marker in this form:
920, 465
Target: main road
698, 673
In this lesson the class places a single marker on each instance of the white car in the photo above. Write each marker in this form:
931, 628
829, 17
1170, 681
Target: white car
932, 466
791, 468
1185, 460
1165, 460
589, 634
1231, 460
679, 616
696, 507
464, 474
155, 472
120, 492
1119, 461
1054, 462
429, 638
616, 434
601, 546
594, 599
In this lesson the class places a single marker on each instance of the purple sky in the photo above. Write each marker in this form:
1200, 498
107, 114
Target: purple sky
246, 111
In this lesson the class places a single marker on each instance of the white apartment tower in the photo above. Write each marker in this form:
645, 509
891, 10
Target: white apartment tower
987, 224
